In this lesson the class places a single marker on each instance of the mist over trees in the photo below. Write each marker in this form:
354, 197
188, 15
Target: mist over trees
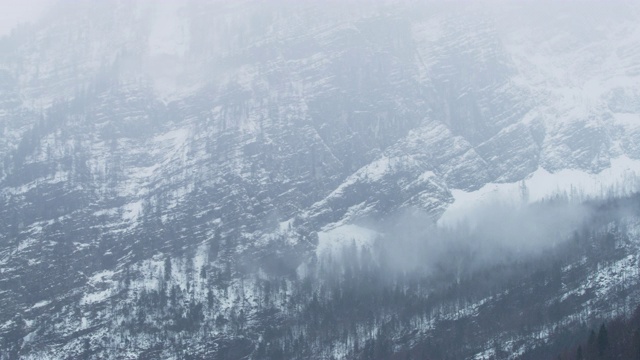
362, 304
496, 233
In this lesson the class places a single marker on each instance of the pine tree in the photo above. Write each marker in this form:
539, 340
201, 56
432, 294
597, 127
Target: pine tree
636, 344
210, 298
591, 344
603, 340
214, 245
167, 268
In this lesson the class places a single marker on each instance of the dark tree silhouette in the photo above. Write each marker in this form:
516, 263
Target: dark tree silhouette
603, 340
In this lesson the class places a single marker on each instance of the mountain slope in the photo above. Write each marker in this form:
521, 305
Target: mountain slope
228, 139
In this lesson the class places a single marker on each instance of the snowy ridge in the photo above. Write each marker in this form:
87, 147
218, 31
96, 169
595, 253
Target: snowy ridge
622, 178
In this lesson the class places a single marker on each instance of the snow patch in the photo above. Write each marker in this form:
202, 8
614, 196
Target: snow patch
177, 137
40, 304
286, 225
96, 297
102, 276
132, 211
623, 177
102, 280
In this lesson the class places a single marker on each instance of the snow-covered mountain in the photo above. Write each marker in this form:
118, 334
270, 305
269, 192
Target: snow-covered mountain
226, 137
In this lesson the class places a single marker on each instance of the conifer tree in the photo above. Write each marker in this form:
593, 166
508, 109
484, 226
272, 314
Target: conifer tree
579, 355
603, 340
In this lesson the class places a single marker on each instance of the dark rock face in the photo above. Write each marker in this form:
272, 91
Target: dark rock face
223, 135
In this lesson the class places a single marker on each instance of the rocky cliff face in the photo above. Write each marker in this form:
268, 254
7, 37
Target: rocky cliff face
134, 131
